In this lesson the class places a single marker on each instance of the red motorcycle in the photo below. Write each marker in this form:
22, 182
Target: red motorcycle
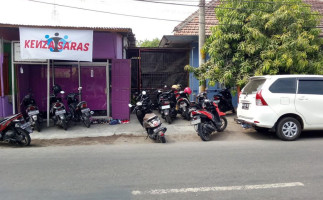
14, 129
208, 118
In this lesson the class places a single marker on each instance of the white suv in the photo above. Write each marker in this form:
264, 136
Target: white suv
286, 104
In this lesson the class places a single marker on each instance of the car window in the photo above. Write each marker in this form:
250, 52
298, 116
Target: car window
253, 86
284, 85
310, 87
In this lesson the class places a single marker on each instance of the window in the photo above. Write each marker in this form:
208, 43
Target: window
284, 85
310, 87
253, 86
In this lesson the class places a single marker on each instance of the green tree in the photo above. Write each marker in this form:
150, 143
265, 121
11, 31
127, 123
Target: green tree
259, 38
148, 43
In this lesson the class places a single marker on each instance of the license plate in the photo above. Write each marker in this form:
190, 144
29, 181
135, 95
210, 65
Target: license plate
182, 105
34, 112
196, 121
60, 112
25, 125
85, 110
245, 106
165, 107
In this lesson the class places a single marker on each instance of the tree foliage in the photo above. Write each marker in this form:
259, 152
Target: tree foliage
259, 38
148, 43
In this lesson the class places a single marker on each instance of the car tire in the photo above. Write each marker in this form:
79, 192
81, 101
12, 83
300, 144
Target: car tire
288, 129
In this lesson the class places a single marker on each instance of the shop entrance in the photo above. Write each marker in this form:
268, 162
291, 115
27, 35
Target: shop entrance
93, 77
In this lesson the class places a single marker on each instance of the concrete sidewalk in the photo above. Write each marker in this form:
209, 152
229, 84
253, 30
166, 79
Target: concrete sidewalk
178, 127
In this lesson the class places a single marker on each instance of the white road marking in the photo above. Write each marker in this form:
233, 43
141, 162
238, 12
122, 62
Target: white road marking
225, 188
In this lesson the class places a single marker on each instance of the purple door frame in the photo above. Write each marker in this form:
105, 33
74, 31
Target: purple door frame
120, 85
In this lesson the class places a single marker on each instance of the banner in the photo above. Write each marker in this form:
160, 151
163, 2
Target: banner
56, 44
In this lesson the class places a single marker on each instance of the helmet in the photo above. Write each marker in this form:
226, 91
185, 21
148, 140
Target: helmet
188, 90
57, 89
176, 87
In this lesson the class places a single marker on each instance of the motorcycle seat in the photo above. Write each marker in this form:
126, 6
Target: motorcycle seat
149, 116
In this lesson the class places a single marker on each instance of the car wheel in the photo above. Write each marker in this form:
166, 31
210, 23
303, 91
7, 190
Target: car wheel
288, 129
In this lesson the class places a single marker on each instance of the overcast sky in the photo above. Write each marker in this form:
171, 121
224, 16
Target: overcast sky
36, 13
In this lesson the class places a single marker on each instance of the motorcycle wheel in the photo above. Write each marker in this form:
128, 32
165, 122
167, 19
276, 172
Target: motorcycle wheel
26, 137
86, 122
64, 125
224, 122
162, 139
168, 119
202, 133
37, 126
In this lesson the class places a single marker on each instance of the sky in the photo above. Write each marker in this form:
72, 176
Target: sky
43, 12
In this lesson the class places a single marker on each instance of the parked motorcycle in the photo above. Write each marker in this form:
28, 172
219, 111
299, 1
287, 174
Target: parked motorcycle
148, 119
183, 103
208, 118
14, 129
168, 106
32, 112
57, 110
78, 110
225, 100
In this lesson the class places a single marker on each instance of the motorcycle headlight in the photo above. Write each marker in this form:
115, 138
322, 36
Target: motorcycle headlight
139, 103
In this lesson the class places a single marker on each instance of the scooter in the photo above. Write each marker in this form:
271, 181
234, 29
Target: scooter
148, 119
183, 103
168, 106
57, 110
208, 119
14, 129
78, 110
32, 112
225, 100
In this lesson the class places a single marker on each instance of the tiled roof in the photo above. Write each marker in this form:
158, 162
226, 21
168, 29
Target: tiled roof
190, 26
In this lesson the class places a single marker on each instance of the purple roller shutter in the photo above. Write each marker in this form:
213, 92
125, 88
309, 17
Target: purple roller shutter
120, 86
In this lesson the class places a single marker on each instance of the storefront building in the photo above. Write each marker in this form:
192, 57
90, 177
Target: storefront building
104, 74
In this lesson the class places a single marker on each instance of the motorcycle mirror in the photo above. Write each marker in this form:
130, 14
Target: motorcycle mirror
129, 105
144, 93
80, 88
62, 92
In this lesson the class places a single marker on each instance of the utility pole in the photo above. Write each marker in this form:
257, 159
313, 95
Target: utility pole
202, 40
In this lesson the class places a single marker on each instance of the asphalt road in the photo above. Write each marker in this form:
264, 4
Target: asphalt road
240, 169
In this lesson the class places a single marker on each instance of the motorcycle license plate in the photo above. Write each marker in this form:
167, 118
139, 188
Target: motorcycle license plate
85, 110
196, 121
60, 112
165, 107
182, 105
34, 112
25, 125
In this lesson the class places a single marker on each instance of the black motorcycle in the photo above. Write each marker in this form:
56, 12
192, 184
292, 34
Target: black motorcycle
57, 109
148, 119
168, 106
14, 129
225, 100
78, 109
32, 112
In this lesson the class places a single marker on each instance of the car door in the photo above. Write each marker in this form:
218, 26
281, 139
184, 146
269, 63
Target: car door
309, 100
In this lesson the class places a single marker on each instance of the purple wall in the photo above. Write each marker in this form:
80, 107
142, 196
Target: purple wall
107, 45
34, 78
93, 88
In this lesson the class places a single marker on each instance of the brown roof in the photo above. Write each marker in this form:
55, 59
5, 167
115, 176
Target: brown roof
190, 26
